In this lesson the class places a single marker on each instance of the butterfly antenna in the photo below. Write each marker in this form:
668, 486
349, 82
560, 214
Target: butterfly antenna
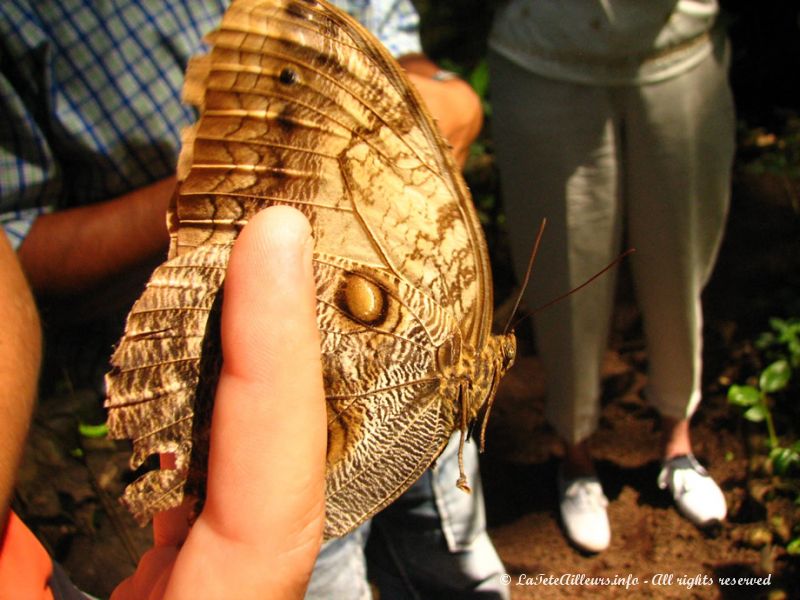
528, 273
608, 267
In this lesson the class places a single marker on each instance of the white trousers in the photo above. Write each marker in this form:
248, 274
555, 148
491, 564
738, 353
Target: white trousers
649, 165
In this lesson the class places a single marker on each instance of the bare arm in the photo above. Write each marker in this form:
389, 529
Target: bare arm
76, 250
20, 352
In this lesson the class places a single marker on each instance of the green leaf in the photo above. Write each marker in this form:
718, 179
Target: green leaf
479, 79
766, 339
93, 431
794, 547
756, 413
743, 395
450, 65
775, 377
777, 324
783, 459
477, 148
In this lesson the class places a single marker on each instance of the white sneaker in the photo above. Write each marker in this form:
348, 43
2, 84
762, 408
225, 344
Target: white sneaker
583, 512
697, 495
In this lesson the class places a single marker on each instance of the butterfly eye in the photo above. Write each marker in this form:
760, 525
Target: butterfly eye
288, 76
363, 300
509, 351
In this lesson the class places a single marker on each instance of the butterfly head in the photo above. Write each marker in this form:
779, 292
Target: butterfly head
500, 353
507, 352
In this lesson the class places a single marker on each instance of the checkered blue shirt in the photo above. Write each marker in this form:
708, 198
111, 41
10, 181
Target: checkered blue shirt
90, 93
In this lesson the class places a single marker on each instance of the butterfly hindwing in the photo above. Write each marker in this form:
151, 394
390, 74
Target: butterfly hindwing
156, 372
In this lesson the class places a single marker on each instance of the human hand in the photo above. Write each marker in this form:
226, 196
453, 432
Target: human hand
261, 526
455, 107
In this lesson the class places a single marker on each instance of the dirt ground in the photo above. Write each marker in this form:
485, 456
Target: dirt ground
69, 483
648, 535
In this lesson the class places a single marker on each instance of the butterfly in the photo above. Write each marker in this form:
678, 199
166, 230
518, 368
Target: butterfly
300, 105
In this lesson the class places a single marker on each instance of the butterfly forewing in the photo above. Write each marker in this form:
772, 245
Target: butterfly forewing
299, 105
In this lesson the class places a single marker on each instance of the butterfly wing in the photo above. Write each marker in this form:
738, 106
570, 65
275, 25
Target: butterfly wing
300, 105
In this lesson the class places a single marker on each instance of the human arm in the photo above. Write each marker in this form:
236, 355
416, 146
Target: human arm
76, 250
20, 353
260, 529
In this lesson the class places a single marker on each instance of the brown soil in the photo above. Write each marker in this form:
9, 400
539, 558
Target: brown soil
69, 483
649, 537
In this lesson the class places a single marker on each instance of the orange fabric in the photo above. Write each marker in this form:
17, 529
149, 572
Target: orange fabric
25, 567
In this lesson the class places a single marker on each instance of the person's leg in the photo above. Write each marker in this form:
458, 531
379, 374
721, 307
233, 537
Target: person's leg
676, 438
432, 542
341, 569
679, 152
556, 147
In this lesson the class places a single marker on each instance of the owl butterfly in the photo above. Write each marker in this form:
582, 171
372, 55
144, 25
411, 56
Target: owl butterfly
300, 105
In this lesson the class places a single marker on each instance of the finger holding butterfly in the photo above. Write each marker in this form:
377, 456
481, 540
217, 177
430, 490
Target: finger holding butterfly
261, 526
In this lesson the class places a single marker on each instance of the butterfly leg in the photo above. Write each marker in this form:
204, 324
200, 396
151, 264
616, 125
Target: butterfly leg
465, 391
490, 402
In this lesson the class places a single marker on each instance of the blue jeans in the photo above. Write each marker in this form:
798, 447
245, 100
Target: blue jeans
430, 543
